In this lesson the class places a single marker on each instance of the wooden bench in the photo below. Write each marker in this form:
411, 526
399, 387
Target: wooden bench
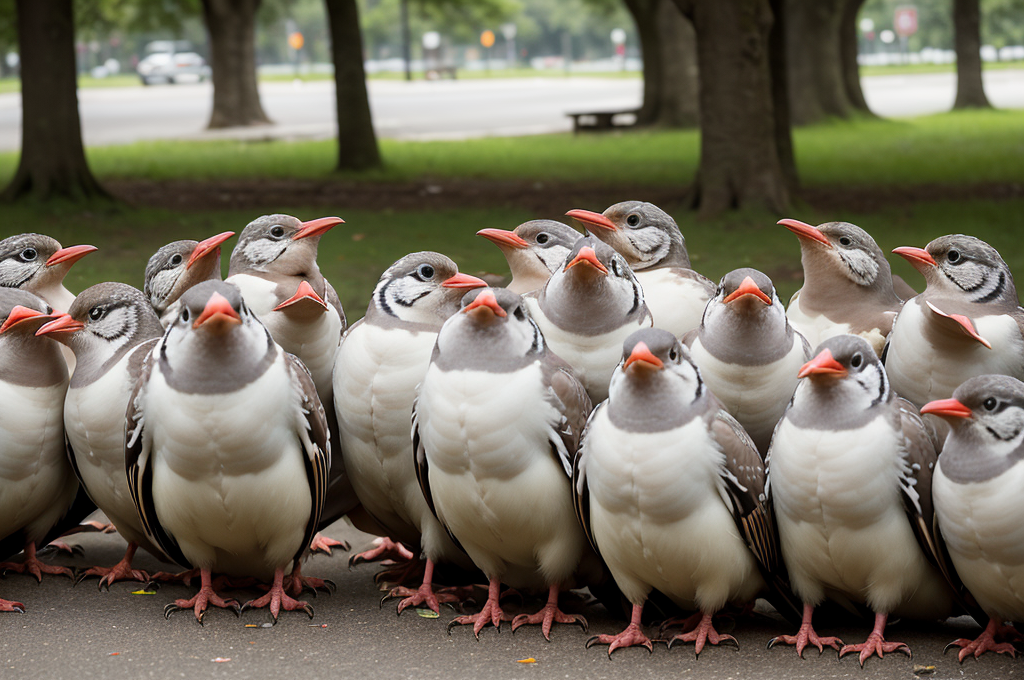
603, 120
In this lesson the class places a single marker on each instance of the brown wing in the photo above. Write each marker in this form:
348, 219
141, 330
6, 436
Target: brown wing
567, 395
580, 491
316, 444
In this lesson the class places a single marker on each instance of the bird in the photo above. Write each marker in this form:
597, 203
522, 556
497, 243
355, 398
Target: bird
178, 266
670, 491
748, 353
226, 449
534, 250
967, 322
849, 479
587, 309
382, 359
977, 503
274, 265
496, 424
848, 285
111, 328
655, 249
37, 485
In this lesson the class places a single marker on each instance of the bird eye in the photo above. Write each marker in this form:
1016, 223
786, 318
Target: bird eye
673, 354
856, 360
175, 260
633, 220
425, 271
519, 314
277, 231
543, 238
953, 256
184, 314
845, 241
29, 254
96, 313
989, 404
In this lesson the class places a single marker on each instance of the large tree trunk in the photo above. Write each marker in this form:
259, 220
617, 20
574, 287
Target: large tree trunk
967, 28
816, 85
357, 141
780, 94
644, 16
848, 48
52, 159
739, 164
668, 47
232, 28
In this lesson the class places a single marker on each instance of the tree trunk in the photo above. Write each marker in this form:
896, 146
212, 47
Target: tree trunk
967, 29
848, 34
645, 17
680, 80
780, 94
816, 84
236, 97
357, 141
739, 164
52, 159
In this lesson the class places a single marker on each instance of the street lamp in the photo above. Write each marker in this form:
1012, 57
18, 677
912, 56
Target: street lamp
619, 40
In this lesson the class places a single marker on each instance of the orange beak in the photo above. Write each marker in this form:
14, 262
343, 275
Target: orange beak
947, 407
592, 218
317, 227
587, 255
823, 364
919, 257
965, 324
642, 354
218, 309
207, 246
503, 237
63, 324
305, 292
461, 280
20, 314
70, 255
748, 287
805, 231
485, 299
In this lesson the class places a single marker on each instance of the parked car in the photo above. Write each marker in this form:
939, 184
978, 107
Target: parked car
173, 67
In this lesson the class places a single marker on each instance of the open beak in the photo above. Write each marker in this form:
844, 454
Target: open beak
588, 256
461, 280
20, 315
592, 219
920, 258
966, 325
207, 246
63, 324
70, 255
217, 310
947, 407
823, 364
805, 231
503, 237
305, 292
748, 287
643, 357
485, 299
317, 227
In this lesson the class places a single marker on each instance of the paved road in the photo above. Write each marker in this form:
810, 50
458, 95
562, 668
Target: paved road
82, 633
436, 110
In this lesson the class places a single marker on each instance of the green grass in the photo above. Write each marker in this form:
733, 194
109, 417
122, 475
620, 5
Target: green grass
913, 69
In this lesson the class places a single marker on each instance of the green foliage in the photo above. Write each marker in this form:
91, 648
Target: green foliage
1002, 21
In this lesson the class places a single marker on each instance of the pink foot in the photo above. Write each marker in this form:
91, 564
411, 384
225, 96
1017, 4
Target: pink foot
425, 594
704, 633
32, 565
122, 571
183, 577
295, 583
277, 599
385, 549
9, 606
93, 525
204, 598
875, 644
491, 613
321, 543
62, 547
806, 635
633, 636
549, 615
985, 643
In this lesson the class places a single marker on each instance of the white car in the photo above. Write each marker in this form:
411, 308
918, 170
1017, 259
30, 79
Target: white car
173, 67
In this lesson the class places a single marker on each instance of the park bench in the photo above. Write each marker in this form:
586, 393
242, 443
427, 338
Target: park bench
603, 120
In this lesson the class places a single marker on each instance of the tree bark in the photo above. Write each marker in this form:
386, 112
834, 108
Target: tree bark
231, 25
357, 141
644, 16
967, 29
739, 164
780, 94
816, 85
848, 48
668, 47
52, 161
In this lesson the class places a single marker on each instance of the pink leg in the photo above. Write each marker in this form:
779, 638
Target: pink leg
277, 599
633, 636
983, 643
321, 543
703, 634
491, 613
549, 615
875, 644
424, 594
295, 582
32, 565
9, 606
122, 571
385, 549
205, 597
806, 635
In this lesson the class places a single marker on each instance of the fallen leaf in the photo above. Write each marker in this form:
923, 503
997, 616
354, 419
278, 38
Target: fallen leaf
426, 613
529, 660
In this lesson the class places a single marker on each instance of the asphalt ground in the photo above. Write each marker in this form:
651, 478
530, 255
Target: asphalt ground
80, 632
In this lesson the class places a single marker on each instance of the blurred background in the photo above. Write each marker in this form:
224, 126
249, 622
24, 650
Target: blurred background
128, 124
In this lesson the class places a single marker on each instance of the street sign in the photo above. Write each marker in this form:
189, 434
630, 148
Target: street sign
296, 41
487, 38
905, 21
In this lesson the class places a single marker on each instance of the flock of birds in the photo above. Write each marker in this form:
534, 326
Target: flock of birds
611, 419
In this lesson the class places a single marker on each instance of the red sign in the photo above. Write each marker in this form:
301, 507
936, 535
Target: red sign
905, 21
